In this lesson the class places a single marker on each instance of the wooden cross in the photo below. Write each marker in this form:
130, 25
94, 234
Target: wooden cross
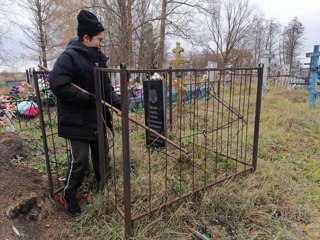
177, 65
178, 61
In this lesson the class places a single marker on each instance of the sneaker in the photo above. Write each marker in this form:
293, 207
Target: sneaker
70, 205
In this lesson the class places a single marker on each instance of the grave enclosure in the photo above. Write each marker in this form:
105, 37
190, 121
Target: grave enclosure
204, 130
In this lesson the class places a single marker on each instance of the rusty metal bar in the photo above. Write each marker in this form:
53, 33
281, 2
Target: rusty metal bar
247, 117
126, 150
257, 119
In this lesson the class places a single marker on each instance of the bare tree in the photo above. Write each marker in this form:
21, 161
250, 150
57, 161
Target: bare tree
4, 29
146, 37
118, 18
273, 28
258, 40
175, 20
39, 12
64, 24
292, 40
163, 17
229, 24
272, 35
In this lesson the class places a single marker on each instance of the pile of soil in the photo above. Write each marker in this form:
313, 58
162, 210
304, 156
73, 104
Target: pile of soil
26, 209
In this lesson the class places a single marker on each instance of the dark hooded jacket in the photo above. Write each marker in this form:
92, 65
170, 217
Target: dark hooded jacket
77, 117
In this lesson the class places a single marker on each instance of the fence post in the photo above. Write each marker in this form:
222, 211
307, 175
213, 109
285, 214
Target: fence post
125, 149
257, 118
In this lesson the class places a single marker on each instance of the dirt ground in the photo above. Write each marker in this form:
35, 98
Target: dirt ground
27, 212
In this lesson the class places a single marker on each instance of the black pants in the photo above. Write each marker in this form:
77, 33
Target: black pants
79, 164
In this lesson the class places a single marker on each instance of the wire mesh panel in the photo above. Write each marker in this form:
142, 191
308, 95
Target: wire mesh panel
185, 131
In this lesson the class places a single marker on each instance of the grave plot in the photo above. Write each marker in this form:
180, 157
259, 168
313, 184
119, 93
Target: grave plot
193, 132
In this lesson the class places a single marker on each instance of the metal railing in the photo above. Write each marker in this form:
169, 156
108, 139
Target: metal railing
207, 133
188, 130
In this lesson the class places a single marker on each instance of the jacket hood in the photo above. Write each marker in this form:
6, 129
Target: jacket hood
75, 44
94, 54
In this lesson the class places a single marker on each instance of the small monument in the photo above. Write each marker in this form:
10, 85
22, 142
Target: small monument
155, 110
265, 61
211, 74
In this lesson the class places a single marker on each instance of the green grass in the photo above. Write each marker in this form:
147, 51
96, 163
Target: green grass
281, 200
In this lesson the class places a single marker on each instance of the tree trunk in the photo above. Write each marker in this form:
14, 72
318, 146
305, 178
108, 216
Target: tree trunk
129, 33
123, 31
162, 33
42, 36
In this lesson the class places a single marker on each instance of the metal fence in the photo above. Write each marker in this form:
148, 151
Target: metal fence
180, 132
287, 81
186, 131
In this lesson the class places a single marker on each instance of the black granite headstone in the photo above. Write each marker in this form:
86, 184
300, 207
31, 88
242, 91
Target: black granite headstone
154, 108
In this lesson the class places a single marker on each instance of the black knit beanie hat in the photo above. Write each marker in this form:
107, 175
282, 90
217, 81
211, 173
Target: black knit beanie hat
88, 23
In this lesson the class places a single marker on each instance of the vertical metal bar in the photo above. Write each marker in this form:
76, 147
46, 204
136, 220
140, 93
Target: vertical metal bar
192, 122
248, 110
257, 119
43, 133
229, 122
233, 82
240, 117
217, 126
125, 150
244, 122
222, 99
213, 130
170, 99
101, 130
206, 117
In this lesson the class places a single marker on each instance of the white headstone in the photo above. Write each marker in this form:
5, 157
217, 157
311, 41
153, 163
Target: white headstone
211, 74
265, 61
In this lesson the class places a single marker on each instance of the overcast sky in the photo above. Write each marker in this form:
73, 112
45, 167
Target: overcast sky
307, 11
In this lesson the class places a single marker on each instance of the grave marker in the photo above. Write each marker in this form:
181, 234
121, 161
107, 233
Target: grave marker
177, 65
211, 74
155, 110
312, 88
